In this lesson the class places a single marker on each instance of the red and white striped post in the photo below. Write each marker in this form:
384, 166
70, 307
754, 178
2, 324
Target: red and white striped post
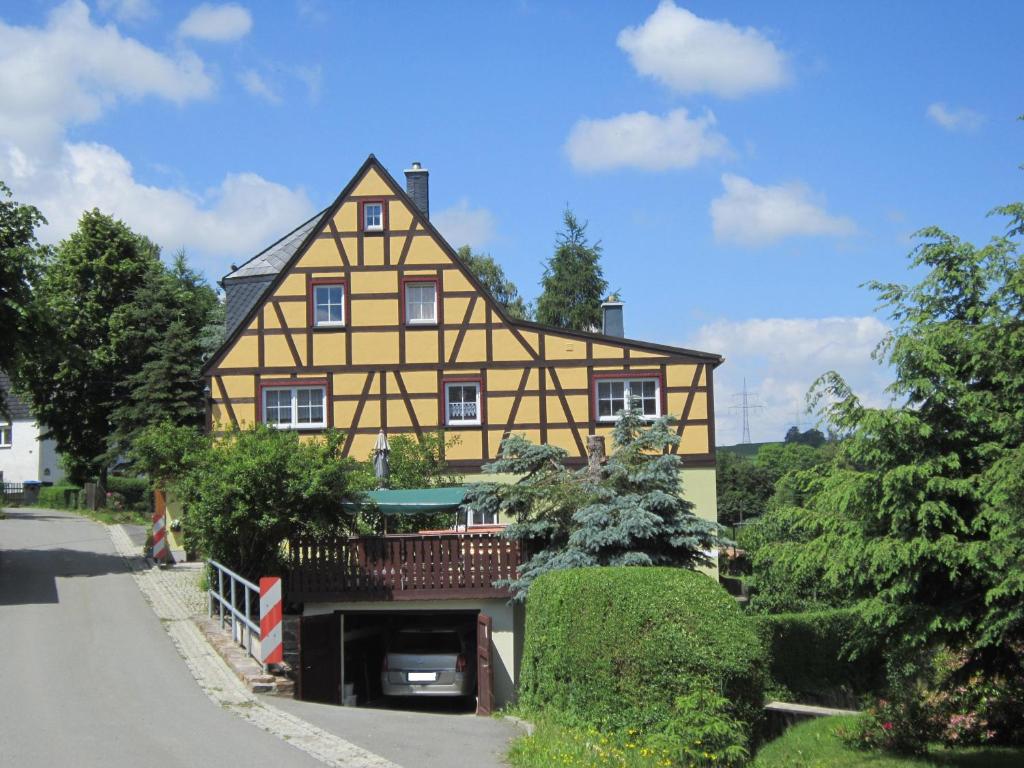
271, 616
160, 549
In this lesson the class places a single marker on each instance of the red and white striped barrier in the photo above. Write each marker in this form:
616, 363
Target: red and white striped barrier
271, 616
160, 550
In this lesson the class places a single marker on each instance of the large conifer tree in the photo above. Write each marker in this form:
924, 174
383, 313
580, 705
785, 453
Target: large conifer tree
573, 283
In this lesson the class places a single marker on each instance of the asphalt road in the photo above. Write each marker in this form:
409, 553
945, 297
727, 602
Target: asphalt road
88, 677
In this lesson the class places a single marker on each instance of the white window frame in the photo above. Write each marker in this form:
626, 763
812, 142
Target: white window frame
316, 304
6, 435
379, 226
418, 284
627, 395
448, 420
294, 398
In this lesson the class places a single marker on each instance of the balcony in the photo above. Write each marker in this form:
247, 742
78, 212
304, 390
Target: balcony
425, 566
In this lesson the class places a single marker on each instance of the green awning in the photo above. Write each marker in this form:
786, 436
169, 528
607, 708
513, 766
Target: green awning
412, 501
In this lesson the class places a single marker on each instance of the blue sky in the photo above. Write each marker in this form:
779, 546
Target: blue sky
745, 165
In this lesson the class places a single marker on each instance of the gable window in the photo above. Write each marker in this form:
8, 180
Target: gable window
6, 435
620, 393
373, 216
329, 304
421, 302
295, 407
462, 402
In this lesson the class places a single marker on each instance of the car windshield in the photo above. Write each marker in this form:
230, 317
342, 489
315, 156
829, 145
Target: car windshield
425, 642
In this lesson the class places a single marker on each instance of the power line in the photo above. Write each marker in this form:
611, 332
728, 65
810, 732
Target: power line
745, 406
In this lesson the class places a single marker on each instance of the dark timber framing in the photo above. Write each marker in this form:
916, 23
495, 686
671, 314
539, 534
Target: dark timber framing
639, 358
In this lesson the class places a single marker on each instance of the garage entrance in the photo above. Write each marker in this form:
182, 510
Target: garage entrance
436, 660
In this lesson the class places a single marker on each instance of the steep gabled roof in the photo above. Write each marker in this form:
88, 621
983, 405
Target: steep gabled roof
314, 225
272, 259
16, 407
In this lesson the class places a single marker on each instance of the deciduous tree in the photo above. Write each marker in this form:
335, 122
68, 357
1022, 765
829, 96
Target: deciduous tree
493, 278
19, 262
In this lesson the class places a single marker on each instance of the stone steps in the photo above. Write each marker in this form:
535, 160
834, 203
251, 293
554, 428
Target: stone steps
249, 671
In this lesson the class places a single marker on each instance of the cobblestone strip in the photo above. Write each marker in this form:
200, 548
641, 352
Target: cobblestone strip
172, 594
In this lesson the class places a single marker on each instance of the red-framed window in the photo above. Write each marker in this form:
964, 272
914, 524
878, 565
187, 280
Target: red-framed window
614, 391
327, 302
462, 401
420, 301
373, 215
303, 404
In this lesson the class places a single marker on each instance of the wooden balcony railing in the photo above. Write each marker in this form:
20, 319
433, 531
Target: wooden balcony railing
401, 567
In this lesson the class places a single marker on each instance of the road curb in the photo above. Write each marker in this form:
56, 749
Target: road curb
218, 681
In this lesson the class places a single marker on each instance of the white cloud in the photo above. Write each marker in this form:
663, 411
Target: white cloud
236, 218
71, 71
953, 119
216, 23
752, 215
780, 358
690, 54
461, 225
128, 11
254, 83
645, 141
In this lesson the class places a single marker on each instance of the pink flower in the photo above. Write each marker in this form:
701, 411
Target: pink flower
887, 726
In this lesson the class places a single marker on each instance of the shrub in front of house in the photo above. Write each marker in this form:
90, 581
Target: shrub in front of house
134, 490
619, 648
809, 662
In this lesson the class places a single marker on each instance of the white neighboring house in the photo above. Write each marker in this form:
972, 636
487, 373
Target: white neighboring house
23, 455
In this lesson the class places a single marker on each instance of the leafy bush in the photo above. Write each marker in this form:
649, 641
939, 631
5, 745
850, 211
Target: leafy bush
616, 647
60, 496
702, 732
250, 490
808, 662
134, 491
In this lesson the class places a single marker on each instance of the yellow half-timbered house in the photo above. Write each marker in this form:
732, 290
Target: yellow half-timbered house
364, 319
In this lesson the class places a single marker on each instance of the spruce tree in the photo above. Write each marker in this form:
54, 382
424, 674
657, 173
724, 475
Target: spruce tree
573, 283
633, 514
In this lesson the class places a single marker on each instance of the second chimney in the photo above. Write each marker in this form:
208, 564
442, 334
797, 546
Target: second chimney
417, 184
611, 318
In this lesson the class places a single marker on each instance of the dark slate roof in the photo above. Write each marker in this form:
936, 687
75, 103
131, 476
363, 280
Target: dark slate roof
241, 295
273, 258
18, 409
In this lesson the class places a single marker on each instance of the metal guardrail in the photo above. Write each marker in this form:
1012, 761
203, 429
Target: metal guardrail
236, 600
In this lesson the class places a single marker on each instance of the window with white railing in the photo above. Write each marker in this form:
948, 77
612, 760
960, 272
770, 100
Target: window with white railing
462, 402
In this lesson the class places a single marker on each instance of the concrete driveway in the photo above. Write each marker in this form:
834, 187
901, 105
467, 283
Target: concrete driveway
413, 738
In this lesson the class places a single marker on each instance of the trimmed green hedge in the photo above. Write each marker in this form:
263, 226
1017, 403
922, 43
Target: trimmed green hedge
61, 496
614, 647
807, 661
135, 491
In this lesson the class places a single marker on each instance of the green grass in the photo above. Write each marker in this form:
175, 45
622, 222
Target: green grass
112, 517
814, 744
552, 744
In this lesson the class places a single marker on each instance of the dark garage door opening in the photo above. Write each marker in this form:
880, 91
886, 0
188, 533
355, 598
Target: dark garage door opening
343, 656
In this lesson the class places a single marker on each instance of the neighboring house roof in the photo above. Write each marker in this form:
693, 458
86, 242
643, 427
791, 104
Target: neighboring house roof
16, 407
268, 268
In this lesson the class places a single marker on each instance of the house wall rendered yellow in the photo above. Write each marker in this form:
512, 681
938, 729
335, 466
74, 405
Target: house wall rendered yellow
381, 373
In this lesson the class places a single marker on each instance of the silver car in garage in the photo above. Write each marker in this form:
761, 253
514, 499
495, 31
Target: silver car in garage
428, 662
